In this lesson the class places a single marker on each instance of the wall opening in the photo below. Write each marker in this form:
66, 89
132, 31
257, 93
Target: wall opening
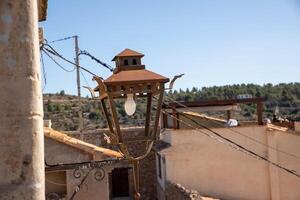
159, 165
120, 183
125, 62
56, 185
134, 62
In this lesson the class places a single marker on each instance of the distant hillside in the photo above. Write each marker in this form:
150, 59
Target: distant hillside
285, 95
63, 109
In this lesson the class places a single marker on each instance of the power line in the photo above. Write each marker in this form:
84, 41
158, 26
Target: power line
97, 60
55, 53
218, 137
62, 39
85, 80
235, 131
66, 70
44, 71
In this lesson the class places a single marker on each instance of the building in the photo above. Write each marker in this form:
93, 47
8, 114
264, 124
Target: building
82, 169
198, 159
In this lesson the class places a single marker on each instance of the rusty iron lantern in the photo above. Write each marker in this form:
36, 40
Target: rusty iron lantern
131, 81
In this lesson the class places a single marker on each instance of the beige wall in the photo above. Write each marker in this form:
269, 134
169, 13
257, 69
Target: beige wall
214, 169
91, 190
56, 182
56, 152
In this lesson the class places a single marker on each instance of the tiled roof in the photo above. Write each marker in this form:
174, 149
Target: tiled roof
134, 76
128, 52
79, 144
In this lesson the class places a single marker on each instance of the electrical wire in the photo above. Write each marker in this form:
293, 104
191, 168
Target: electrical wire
97, 60
237, 132
218, 137
66, 70
44, 72
62, 39
55, 53
85, 80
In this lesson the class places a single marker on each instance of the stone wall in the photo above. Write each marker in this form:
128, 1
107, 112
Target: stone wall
178, 192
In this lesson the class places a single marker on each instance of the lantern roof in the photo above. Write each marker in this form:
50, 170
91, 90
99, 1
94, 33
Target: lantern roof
135, 76
128, 53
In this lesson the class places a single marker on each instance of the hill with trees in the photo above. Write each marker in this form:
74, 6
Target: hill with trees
286, 96
63, 109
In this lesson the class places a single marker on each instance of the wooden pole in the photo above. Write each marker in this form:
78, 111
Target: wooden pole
259, 110
80, 121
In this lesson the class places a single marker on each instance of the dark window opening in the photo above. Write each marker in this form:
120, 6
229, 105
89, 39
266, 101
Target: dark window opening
159, 165
125, 62
134, 62
120, 183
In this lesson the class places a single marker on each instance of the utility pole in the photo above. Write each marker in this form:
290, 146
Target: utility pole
80, 125
77, 65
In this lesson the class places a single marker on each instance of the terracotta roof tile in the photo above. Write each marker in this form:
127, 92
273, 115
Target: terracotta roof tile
135, 76
128, 52
79, 144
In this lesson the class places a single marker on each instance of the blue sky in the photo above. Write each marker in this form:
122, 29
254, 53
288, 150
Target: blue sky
214, 42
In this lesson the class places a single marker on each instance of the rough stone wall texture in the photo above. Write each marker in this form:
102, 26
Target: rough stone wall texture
21, 112
147, 166
178, 192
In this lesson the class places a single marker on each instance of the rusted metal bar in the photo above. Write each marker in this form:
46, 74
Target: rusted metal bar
177, 121
159, 105
259, 109
107, 116
136, 180
165, 120
228, 114
174, 113
148, 114
115, 119
213, 103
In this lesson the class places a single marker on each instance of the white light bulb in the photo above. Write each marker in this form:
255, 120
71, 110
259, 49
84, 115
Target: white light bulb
130, 105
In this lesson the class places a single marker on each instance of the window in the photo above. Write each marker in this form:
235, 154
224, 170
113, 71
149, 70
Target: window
159, 165
134, 62
125, 62
119, 182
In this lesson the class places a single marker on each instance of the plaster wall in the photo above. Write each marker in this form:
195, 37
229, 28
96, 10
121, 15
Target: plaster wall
56, 152
91, 189
199, 162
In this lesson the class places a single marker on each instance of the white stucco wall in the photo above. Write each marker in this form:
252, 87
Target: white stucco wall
214, 169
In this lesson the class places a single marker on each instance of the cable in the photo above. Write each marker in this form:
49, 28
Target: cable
230, 143
85, 80
235, 131
62, 39
97, 60
66, 70
55, 53
44, 72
